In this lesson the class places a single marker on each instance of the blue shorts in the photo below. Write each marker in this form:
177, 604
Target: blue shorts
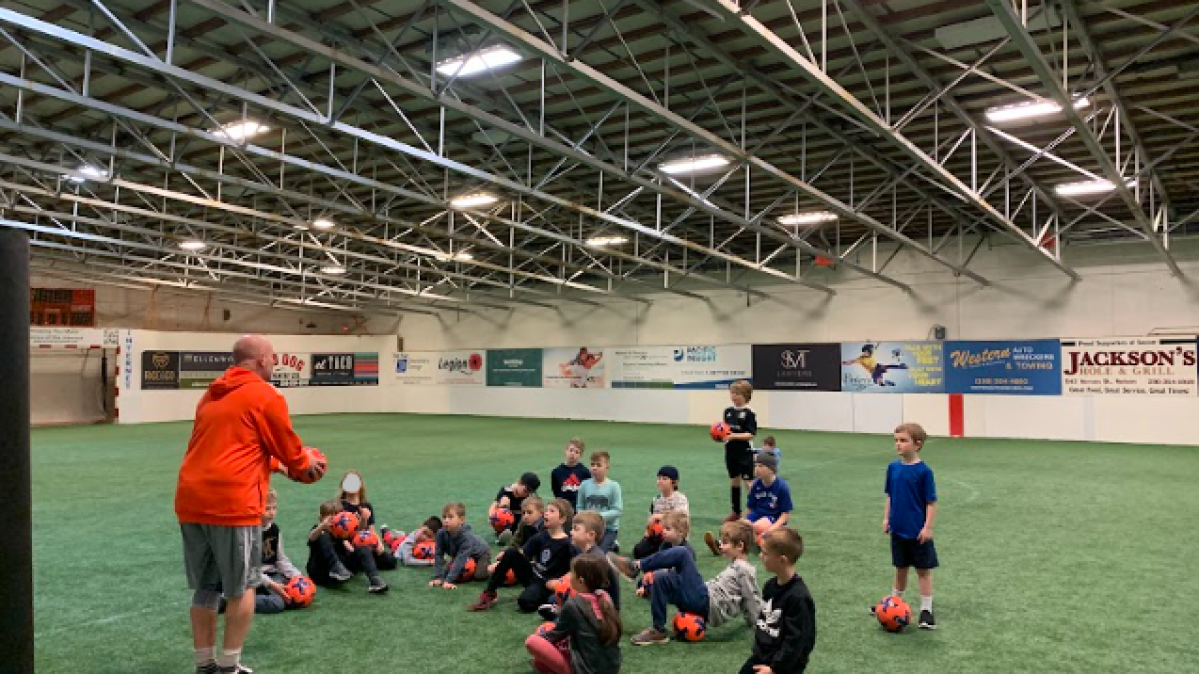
754, 517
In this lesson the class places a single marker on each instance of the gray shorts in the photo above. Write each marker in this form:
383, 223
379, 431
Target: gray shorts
222, 559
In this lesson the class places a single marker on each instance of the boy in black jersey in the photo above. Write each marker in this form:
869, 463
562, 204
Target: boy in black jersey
544, 557
785, 633
570, 474
738, 453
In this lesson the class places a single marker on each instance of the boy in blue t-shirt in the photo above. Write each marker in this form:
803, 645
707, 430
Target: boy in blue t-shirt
908, 516
769, 503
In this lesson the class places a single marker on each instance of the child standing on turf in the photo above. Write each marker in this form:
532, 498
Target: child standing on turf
769, 447
677, 581
668, 500
786, 629
512, 497
601, 495
353, 499
277, 569
457, 541
738, 453
586, 636
908, 515
544, 556
332, 562
566, 479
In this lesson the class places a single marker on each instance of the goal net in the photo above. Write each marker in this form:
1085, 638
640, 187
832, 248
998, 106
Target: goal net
71, 386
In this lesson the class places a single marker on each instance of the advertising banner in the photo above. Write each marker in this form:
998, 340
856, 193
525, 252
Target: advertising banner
573, 368
892, 367
198, 369
678, 367
74, 338
797, 367
1023, 367
345, 369
160, 370
461, 368
514, 367
415, 368
1129, 366
291, 370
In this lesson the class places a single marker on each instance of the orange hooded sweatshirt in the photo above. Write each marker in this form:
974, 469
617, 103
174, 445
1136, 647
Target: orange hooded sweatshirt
242, 426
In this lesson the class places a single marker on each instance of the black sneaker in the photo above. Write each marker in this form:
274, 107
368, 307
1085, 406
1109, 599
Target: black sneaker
340, 573
926, 621
238, 669
377, 586
625, 566
548, 612
210, 668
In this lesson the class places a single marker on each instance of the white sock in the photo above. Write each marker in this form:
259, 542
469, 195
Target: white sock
897, 593
205, 655
230, 659
926, 603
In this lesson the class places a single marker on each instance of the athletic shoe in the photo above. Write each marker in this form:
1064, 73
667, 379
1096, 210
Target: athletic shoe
650, 636
340, 573
486, 599
210, 668
733, 517
624, 565
711, 541
548, 611
926, 621
378, 586
238, 669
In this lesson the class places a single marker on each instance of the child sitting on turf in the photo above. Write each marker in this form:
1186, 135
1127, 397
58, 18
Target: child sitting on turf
586, 636
457, 541
426, 533
332, 562
769, 502
353, 499
908, 515
512, 497
566, 479
769, 447
786, 628
675, 527
668, 500
545, 556
677, 581
601, 495
277, 569
532, 522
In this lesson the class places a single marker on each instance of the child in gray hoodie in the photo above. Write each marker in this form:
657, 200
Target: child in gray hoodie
457, 541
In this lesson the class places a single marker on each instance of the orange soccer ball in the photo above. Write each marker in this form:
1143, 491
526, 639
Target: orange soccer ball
366, 539
690, 627
510, 578
344, 525
893, 613
468, 571
545, 627
393, 540
719, 431
299, 592
562, 589
654, 531
424, 550
502, 519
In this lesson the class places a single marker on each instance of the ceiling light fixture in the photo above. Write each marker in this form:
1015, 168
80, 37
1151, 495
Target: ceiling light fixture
1089, 187
193, 245
333, 270
693, 165
491, 58
1029, 110
323, 223
242, 130
810, 218
606, 240
473, 200
89, 173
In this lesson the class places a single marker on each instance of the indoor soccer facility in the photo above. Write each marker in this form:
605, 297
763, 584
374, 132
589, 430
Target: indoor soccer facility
457, 236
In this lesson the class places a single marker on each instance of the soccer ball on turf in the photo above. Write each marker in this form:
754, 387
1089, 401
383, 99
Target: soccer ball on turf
393, 540
468, 571
344, 524
562, 589
366, 539
502, 519
893, 613
510, 578
299, 592
719, 431
690, 627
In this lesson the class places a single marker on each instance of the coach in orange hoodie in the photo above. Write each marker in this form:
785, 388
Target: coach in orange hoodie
242, 430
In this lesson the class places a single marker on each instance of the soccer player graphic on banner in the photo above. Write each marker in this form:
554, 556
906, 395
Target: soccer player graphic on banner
579, 368
877, 370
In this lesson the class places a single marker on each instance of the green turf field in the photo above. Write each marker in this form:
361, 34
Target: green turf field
1056, 557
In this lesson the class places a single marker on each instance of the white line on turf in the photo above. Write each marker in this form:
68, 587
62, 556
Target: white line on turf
98, 621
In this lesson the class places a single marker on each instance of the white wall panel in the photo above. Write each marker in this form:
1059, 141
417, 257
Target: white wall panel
930, 410
876, 413
815, 411
1041, 417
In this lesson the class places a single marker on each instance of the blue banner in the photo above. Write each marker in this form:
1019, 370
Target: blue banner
892, 367
1019, 367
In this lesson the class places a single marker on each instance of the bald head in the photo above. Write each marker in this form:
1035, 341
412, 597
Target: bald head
255, 353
